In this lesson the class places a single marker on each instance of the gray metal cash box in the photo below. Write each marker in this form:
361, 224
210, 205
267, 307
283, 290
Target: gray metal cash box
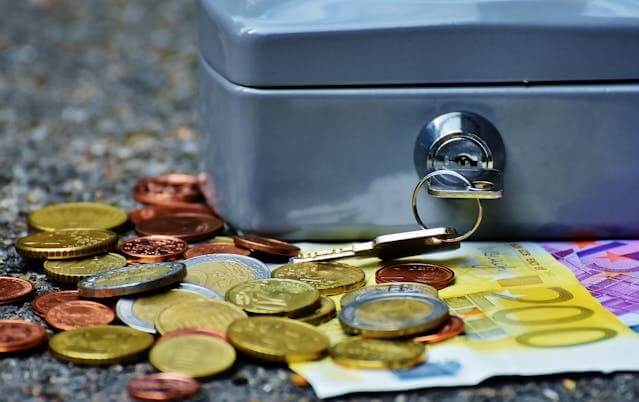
320, 116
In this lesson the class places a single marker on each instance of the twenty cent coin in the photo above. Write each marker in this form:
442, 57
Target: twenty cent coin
213, 314
19, 335
13, 290
215, 248
268, 246
101, 344
79, 313
66, 244
330, 278
162, 387
72, 271
275, 297
186, 226
436, 276
278, 339
392, 288
193, 355
42, 304
77, 215
154, 248
377, 354
220, 272
132, 279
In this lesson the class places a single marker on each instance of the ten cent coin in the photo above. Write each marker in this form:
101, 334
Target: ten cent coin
213, 314
72, 271
154, 248
13, 290
186, 226
77, 215
19, 335
162, 387
275, 296
330, 278
377, 354
436, 276
66, 244
79, 313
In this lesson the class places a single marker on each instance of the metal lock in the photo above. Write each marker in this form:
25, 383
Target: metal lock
465, 143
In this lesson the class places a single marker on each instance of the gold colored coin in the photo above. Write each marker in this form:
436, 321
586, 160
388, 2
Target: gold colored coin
103, 344
221, 239
330, 278
219, 276
77, 215
377, 354
324, 313
66, 244
149, 307
193, 355
72, 271
275, 297
213, 314
278, 339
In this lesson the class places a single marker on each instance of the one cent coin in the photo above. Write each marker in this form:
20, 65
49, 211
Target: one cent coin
13, 290
19, 335
268, 246
215, 248
453, 327
162, 387
186, 226
436, 276
154, 248
153, 192
42, 304
146, 213
79, 313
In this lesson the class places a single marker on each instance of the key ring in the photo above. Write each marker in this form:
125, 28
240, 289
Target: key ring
446, 172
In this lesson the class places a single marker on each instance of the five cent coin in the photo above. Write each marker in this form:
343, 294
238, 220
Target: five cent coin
186, 226
215, 248
13, 290
162, 387
268, 246
154, 248
436, 276
79, 313
42, 304
19, 335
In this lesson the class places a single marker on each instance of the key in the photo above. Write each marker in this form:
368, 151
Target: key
389, 246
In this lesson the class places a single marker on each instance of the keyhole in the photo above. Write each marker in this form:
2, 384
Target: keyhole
465, 160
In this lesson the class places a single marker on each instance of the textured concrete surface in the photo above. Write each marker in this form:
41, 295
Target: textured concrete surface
95, 94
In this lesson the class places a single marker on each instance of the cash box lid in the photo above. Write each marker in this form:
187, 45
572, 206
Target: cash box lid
283, 43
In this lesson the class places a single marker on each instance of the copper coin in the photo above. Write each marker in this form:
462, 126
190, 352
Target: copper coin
162, 387
267, 245
215, 248
42, 304
192, 331
436, 276
153, 248
14, 289
185, 226
453, 327
79, 313
180, 179
19, 335
146, 213
153, 192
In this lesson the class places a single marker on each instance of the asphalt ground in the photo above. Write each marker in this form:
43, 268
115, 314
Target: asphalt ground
96, 94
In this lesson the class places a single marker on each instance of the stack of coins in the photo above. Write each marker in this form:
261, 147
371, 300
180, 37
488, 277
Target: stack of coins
181, 302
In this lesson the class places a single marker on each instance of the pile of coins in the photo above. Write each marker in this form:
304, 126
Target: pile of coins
194, 308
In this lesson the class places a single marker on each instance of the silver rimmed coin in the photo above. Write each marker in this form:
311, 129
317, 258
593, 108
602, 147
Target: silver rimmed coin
220, 272
132, 279
392, 288
392, 316
140, 312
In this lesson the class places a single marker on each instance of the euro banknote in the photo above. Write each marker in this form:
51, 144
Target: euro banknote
525, 314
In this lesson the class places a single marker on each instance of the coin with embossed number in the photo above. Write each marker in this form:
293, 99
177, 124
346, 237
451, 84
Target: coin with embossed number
392, 316
220, 272
140, 313
286, 297
154, 248
77, 215
14, 290
79, 313
215, 248
330, 278
42, 304
72, 271
266, 245
392, 288
132, 279
436, 276
185, 226
162, 387
66, 244
377, 354
213, 314
19, 335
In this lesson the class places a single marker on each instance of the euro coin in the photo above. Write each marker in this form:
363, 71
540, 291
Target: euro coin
66, 244
103, 344
141, 312
71, 271
193, 355
393, 288
392, 316
324, 313
213, 314
77, 215
220, 272
330, 278
132, 279
278, 339
275, 297
377, 354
